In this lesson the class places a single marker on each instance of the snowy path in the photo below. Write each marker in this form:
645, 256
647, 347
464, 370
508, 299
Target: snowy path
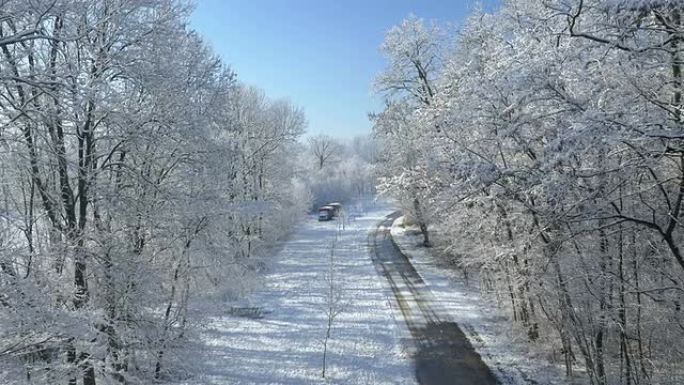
511, 358
443, 351
285, 346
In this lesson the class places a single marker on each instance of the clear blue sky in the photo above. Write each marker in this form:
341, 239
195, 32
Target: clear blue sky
322, 55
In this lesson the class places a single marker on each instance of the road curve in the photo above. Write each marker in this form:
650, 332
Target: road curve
443, 353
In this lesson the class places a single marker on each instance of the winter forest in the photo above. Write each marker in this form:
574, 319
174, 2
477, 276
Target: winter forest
537, 152
137, 175
542, 147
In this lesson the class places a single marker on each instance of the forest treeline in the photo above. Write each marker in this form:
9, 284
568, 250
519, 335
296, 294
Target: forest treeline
138, 178
542, 145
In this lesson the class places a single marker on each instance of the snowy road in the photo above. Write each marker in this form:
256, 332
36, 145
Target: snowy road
283, 345
443, 353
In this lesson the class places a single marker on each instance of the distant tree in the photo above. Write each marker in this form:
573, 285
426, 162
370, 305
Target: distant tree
324, 148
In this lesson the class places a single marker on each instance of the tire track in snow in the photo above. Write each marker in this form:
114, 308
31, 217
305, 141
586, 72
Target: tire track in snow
443, 353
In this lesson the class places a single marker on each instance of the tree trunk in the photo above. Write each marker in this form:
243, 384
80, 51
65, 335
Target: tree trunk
421, 223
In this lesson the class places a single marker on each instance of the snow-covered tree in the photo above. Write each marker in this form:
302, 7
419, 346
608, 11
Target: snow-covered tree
414, 51
138, 177
347, 172
555, 170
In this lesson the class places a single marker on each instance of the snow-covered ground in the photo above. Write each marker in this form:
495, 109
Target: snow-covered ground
487, 329
285, 345
279, 338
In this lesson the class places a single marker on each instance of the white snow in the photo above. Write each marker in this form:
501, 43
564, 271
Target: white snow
487, 329
285, 346
369, 342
